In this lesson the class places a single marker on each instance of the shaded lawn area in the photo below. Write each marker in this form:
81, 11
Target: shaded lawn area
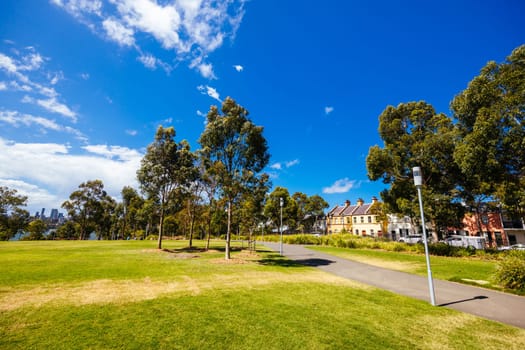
125, 295
464, 270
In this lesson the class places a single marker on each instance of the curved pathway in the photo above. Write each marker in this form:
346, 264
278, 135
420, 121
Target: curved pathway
486, 303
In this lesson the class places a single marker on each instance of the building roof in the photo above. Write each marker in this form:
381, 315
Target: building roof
349, 210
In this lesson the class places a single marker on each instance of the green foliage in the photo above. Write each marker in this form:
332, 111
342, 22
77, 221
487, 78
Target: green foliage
12, 217
36, 229
511, 271
234, 152
91, 208
415, 135
166, 171
490, 117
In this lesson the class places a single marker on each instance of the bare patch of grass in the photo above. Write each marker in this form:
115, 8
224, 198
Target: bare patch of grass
106, 291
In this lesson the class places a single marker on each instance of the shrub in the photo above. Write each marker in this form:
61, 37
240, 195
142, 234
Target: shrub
440, 249
399, 247
511, 271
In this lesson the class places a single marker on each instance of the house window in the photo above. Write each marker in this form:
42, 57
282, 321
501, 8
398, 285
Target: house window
357, 232
347, 220
372, 231
362, 219
485, 219
355, 220
369, 219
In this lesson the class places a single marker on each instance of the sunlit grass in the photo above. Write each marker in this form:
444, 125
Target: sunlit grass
128, 295
467, 270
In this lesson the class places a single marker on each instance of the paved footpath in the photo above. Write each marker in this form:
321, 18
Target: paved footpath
493, 305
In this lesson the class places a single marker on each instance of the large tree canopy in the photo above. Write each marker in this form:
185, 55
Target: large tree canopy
235, 151
90, 207
415, 135
166, 171
490, 118
12, 216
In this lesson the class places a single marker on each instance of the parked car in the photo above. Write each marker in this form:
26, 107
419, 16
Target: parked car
519, 246
411, 239
466, 241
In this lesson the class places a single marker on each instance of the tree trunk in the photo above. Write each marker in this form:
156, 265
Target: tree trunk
161, 226
228, 233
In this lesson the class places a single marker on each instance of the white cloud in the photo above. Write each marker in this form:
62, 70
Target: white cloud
292, 163
238, 68
131, 132
118, 32
32, 61
7, 63
52, 105
148, 61
3, 86
190, 28
59, 172
340, 186
16, 119
206, 70
84, 76
210, 91
328, 110
55, 78
287, 164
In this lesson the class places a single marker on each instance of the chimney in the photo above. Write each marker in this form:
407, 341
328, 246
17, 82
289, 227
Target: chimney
360, 202
347, 203
374, 200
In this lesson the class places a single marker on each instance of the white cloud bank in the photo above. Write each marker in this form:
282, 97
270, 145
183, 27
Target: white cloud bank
191, 29
48, 172
340, 186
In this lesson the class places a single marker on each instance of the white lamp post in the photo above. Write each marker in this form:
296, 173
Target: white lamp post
418, 181
281, 202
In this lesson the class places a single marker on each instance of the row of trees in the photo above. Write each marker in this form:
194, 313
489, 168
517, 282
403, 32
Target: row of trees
474, 157
217, 189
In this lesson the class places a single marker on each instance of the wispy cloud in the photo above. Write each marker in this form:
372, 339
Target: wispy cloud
25, 69
340, 186
283, 165
17, 119
210, 91
190, 29
328, 110
238, 68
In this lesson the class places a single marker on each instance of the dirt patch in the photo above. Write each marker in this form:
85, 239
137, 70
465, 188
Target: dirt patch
244, 257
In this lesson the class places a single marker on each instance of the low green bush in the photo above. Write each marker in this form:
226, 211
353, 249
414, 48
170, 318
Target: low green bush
441, 249
511, 271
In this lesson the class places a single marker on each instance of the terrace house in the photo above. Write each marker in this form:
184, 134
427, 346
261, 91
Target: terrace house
357, 219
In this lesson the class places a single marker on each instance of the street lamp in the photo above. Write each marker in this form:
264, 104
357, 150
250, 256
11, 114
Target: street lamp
281, 202
418, 182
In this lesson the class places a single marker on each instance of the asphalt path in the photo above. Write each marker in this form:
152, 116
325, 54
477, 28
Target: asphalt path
486, 303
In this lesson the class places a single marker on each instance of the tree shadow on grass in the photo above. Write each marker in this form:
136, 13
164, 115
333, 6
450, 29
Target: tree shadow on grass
277, 260
184, 250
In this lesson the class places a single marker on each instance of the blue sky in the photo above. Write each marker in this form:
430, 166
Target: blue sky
84, 84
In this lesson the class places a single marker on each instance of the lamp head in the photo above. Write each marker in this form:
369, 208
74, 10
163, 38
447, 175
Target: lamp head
418, 177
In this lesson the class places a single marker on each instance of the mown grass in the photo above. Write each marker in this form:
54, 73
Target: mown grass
465, 270
180, 299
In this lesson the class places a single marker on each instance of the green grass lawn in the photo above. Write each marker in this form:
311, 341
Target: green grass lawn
128, 295
464, 270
